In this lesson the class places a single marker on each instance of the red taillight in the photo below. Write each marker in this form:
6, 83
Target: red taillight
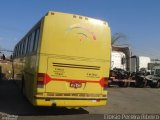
104, 82
43, 79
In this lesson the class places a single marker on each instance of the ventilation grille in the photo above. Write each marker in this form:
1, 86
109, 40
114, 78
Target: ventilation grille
76, 66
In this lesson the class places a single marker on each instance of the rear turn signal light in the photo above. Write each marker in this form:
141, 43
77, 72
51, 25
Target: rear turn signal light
52, 13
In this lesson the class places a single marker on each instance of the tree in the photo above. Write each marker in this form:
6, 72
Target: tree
117, 37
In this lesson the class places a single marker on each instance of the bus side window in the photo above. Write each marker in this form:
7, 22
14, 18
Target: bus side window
32, 41
14, 54
29, 43
26, 44
15, 51
18, 50
23, 45
36, 38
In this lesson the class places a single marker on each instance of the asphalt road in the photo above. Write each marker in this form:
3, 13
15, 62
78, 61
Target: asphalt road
121, 101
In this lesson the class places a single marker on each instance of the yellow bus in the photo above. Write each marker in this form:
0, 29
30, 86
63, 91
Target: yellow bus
64, 61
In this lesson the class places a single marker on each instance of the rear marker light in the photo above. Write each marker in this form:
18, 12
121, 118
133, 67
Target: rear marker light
52, 13
80, 17
86, 18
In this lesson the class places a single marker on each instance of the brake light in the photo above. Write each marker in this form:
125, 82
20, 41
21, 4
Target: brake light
43, 79
104, 82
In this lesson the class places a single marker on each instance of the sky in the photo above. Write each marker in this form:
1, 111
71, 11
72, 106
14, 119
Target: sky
138, 20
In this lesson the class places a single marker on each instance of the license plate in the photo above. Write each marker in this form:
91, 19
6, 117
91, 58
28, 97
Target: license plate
75, 85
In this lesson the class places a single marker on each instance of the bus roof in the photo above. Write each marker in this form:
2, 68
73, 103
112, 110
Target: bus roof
76, 15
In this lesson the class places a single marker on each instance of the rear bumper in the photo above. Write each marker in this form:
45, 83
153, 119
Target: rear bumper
69, 102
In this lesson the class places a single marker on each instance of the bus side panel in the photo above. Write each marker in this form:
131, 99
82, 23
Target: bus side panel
18, 68
29, 76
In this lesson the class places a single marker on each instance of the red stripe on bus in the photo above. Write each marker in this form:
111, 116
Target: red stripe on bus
48, 79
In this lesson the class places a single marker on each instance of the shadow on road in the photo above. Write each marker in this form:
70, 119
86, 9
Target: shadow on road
12, 102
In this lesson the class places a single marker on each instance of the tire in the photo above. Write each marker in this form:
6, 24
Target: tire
139, 83
122, 84
158, 84
153, 85
145, 83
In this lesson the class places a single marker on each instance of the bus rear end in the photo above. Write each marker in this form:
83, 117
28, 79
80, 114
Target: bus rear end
74, 61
